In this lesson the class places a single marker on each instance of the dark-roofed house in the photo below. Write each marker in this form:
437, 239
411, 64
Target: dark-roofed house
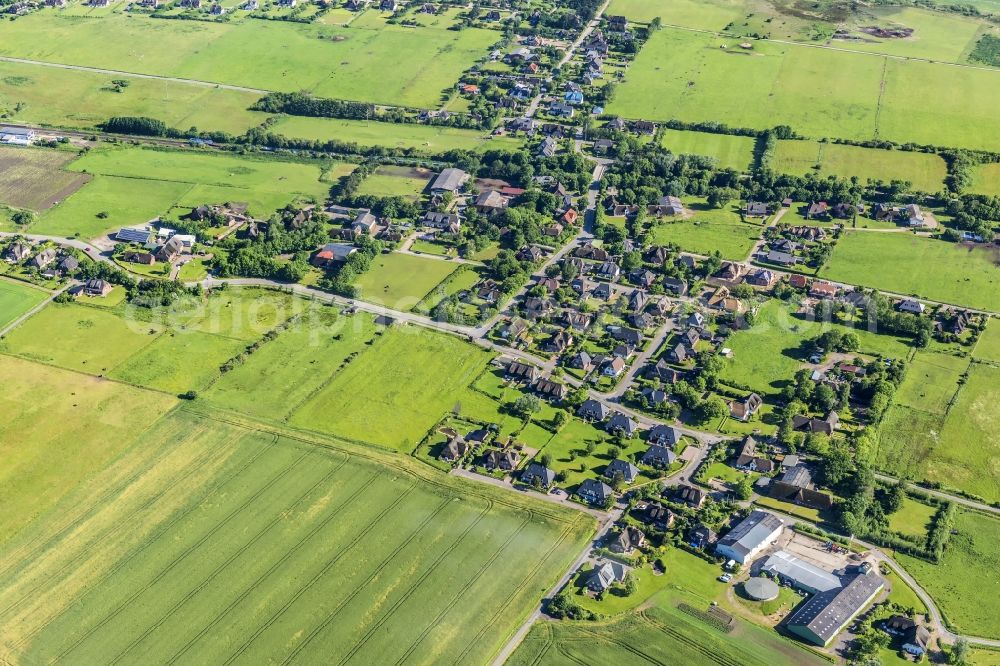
749, 460
44, 258
97, 288
691, 495
658, 516
628, 471
593, 410
449, 221
824, 615
545, 476
69, 264
605, 576
454, 449
449, 180
523, 371
550, 389
745, 408
664, 435
18, 252
795, 485
755, 209
594, 491
701, 536
659, 457
627, 540
675, 286
502, 460
558, 343
491, 202
134, 257
621, 423
825, 426
752, 535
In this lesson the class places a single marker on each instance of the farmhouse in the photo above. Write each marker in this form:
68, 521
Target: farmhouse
44, 258
17, 252
752, 535
823, 616
333, 253
450, 180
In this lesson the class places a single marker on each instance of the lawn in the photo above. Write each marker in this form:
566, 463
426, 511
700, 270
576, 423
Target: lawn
59, 428
16, 299
34, 177
986, 179
461, 280
400, 281
79, 99
924, 170
239, 53
240, 544
286, 371
711, 15
178, 362
80, 338
569, 451
396, 181
949, 272
396, 390
242, 313
913, 518
708, 230
108, 203
768, 355
614, 602
409, 136
965, 585
988, 347
731, 152
931, 381
903, 594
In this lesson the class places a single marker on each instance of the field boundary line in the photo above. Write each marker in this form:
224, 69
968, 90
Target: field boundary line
322, 572
510, 598
150, 501
680, 636
351, 499
25, 283
229, 560
413, 588
183, 555
881, 95
87, 374
374, 574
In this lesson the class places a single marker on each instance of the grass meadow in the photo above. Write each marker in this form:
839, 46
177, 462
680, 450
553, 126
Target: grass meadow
400, 281
924, 170
82, 100
931, 381
16, 299
913, 518
239, 53
246, 546
35, 178
421, 138
988, 346
59, 428
177, 362
396, 181
731, 152
986, 179
965, 585
711, 15
708, 230
767, 356
395, 391
908, 264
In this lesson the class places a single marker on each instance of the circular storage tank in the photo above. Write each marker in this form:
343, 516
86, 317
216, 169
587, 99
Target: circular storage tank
761, 589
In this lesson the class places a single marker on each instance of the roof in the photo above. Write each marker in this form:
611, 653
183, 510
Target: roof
627, 469
595, 488
752, 532
798, 475
132, 235
450, 179
825, 614
801, 573
543, 473
761, 589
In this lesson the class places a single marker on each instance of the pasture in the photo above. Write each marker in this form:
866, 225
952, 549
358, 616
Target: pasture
177, 362
108, 203
707, 231
59, 428
16, 299
244, 545
81, 99
924, 170
416, 137
729, 151
242, 313
286, 371
238, 53
396, 181
913, 518
988, 346
767, 356
400, 281
986, 179
396, 390
711, 15
931, 381
965, 585
34, 178
950, 273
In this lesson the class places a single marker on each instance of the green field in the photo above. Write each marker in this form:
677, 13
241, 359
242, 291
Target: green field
396, 390
59, 428
179, 361
986, 179
708, 230
241, 53
400, 281
687, 76
244, 545
768, 355
711, 15
924, 170
285, 372
34, 178
731, 152
16, 299
965, 585
421, 138
663, 634
931, 381
396, 181
913, 518
83, 99
988, 347
907, 264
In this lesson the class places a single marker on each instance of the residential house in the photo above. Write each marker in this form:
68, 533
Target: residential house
98, 288
18, 252
824, 426
605, 576
135, 257
701, 536
691, 495
730, 271
593, 410
781, 258
595, 492
581, 361
619, 423
628, 471
678, 353
613, 366
658, 516
559, 342
44, 258
500, 460
627, 540
448, 221
591, 252
454, 449
330, 255
514, 329
554, 391
911, 305
818, 209
548, 147
609, 270
536, 473
914, 216
491, 202
69, 264
823, 290
659, 457
365, 223
761, 277
755, 209
675, 286
743, 409
522, 371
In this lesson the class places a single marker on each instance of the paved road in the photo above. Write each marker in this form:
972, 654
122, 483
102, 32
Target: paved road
561, 499
17, 322
940, 494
